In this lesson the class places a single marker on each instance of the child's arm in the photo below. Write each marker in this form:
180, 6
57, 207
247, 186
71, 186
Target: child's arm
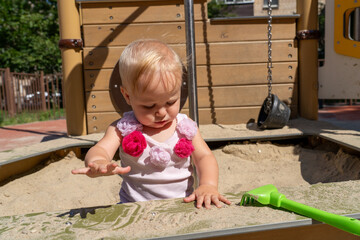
208, 173
98, 160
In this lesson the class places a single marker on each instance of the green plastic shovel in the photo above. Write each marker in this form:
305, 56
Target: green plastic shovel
268, 194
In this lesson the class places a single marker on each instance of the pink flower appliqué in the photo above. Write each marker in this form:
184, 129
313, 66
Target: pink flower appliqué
128, 123
159, 156
184, 148
188, 128
134, 144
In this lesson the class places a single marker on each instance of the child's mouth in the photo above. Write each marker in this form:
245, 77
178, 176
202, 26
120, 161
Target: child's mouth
160, 123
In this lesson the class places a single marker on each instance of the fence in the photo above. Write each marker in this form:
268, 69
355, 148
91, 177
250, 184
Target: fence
29, 92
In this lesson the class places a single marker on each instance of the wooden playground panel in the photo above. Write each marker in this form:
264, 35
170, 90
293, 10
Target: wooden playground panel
231, 58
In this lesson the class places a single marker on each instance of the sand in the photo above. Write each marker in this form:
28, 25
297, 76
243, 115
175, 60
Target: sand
243, 166
318, 173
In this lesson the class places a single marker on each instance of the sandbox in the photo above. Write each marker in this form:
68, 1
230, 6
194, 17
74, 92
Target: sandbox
310, 162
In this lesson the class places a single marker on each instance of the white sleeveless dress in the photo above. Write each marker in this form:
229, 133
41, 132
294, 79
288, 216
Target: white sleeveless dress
151, 180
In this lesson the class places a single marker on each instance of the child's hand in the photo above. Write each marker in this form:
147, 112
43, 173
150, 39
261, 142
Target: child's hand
101, 168
207, 194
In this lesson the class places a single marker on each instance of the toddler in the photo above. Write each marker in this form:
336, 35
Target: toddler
155, 140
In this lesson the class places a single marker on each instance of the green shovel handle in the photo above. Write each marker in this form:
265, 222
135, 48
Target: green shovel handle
347, 224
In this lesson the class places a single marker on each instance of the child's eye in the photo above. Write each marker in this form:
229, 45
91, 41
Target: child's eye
171, 103
149, 107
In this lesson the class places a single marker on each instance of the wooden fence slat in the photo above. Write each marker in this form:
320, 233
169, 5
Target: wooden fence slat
244, 52
99, 121
53, 91
132, 12
245, 74
254, 95
2, 91
123, 34
97, 79
9, 90
214, 53
17, 94
36, 99
233, 115
250, 95
42, 91
47, 82
213, 75
174, 33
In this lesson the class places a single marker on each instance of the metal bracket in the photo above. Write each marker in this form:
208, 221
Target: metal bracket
308, 34
71, 43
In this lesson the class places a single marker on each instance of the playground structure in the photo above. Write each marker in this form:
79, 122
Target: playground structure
231, 56
338, 78
231, 78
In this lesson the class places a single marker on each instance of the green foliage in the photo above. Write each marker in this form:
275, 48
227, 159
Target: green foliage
29, 35
214, 9
219, 9
321, 18
28, 117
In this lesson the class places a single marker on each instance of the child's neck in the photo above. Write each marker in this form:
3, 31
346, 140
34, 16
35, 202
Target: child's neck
161, 134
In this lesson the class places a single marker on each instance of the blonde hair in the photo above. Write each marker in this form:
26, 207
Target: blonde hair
147, 57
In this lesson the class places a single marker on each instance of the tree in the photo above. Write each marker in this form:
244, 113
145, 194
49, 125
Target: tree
29, 35
214, 8
217, 9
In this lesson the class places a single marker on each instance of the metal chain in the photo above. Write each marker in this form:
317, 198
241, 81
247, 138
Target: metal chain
269, 63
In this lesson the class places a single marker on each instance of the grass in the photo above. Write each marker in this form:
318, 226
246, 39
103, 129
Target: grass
28, 117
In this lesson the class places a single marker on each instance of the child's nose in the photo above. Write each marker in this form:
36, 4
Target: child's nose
161, 112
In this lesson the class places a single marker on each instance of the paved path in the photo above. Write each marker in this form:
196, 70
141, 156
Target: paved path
31, 133
346, 117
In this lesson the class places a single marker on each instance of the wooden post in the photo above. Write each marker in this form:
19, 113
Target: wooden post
42, 91
62, 91
308, 60
69, 21
9, 93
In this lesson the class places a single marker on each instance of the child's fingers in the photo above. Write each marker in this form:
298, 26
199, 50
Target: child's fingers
199, 201
207, 201
190, 198
216, 201
103, 169
107, 169
80, 171
110, 167
224, 200
120, 170
93, 167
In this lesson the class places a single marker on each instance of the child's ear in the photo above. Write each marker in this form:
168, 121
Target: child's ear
125, 94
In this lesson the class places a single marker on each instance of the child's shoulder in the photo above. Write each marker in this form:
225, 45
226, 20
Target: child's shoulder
128, 123
181, 116
186, 126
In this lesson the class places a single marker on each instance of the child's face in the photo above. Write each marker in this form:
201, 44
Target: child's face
157, 106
